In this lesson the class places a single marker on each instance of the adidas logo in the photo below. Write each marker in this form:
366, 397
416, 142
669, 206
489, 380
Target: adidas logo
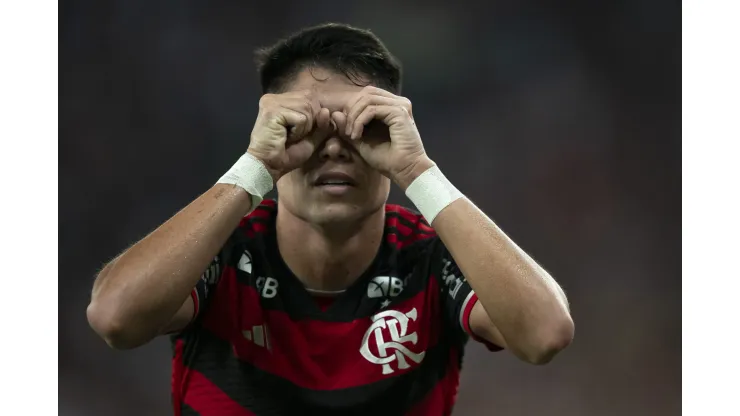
258, 335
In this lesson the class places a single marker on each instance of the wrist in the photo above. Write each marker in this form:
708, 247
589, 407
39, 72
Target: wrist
407, 176
273, 173
252, 175
431, 192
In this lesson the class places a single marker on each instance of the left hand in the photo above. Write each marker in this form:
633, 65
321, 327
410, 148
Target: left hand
396, 151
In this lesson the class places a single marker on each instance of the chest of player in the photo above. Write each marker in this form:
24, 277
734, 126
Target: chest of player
385, 325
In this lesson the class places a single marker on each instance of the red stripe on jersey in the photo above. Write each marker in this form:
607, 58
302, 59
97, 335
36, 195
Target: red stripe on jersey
401, 243
264, 210
259, 227
468, 309
441, 400
414, 218
260, 212
425, 228
466, 324
407, 234
329, 355
209, 400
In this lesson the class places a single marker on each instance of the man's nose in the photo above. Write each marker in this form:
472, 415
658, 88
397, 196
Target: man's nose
335, 149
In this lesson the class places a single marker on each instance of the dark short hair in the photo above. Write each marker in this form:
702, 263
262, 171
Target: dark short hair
356, 53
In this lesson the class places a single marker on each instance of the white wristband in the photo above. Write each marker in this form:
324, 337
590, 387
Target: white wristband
432, 192
252, 175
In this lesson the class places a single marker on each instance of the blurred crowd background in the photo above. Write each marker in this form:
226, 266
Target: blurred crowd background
560, 119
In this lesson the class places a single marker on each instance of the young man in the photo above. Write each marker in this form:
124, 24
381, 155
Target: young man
328, 301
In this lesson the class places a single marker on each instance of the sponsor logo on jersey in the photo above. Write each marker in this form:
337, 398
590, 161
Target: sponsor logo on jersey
452, 278
384, 286
392, 340
245, 262
267, 287
211, 275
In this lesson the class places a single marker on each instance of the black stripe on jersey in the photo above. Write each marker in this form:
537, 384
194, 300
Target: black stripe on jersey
409, 263
186, 410
256, 389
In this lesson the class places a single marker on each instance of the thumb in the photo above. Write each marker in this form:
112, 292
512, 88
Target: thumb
299, 152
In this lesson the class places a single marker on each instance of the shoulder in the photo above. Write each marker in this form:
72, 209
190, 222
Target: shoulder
258, 221
253, 230
406, 227
409, 240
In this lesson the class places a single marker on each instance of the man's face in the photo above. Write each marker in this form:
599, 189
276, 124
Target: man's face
335, 185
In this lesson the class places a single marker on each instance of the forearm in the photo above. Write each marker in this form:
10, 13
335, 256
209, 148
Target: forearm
137, 293
524, 303
522, 300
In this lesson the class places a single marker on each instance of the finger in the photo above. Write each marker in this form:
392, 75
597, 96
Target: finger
385, 113
300, 151
340, 121
368, 91
368, 113
373, 90
361, 105
304, 103
296, 123
305, 147
324, 125
323, 119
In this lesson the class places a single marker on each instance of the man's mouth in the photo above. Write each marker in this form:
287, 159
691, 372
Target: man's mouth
333, 183
335, 179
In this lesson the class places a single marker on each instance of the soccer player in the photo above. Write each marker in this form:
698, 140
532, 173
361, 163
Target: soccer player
328, 301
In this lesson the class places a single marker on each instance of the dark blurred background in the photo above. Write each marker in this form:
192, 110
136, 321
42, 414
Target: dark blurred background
560, 119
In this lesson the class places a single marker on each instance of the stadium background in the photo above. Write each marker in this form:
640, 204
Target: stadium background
560, 119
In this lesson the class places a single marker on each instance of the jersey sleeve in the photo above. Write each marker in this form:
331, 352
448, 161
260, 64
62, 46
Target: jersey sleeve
206, 285
458, 298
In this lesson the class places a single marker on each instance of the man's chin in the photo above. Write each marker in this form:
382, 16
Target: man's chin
337, 211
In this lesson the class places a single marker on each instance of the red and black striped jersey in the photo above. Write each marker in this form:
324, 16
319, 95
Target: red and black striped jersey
261, 344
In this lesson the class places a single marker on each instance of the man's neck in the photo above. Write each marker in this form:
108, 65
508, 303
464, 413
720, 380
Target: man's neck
329, 258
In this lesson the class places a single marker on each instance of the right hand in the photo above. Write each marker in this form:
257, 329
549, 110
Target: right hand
288, 129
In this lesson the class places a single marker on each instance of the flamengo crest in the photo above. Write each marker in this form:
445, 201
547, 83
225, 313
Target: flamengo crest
393, 324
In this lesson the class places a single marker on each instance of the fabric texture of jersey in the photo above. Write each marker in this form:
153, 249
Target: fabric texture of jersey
261, 344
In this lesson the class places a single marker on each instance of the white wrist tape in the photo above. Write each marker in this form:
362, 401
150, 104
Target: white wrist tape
431, 192
252, 175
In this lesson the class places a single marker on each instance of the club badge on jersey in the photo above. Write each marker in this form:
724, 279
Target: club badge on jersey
394, 325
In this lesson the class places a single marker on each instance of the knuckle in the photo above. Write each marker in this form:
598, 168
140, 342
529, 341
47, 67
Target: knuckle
402, 108
267, 101
370, 112
269, 114
365, 101
307, 106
